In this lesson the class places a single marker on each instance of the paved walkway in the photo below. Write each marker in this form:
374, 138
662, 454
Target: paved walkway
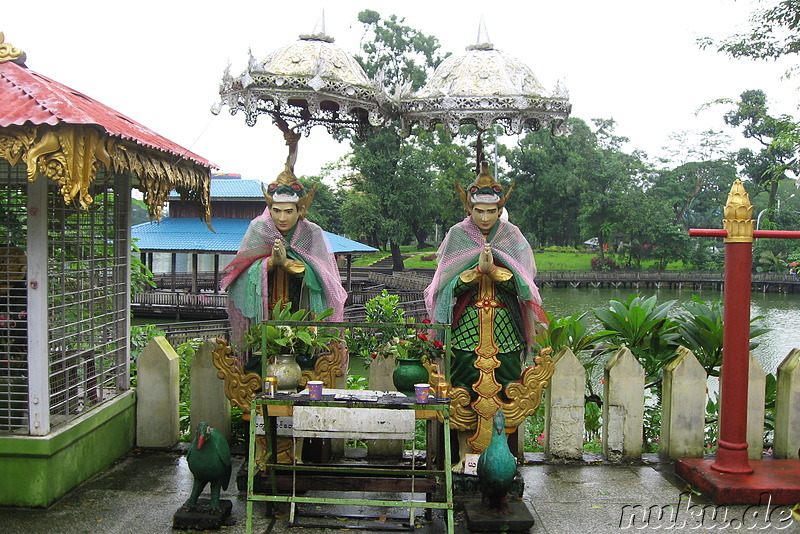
141, 492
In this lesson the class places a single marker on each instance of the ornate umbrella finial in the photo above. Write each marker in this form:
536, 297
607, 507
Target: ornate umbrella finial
319, 31
483, 42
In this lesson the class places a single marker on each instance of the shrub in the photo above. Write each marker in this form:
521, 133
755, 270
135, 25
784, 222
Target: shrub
556, 248
603, 264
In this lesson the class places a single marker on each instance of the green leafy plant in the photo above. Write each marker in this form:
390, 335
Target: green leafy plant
419, 345
186, 351
771, 390
141, 275
385, 310
701, 330
642, 325
140, 336
572, 332
287, 338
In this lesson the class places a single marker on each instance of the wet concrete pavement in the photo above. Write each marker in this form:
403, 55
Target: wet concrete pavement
141, 492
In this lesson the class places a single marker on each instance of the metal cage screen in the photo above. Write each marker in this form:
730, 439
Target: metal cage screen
13, 299
88, 255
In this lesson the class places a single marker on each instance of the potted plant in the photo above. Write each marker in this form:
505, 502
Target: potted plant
287, 349
414, 352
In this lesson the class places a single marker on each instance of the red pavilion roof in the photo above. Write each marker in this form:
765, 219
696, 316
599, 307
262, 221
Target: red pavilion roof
29, 97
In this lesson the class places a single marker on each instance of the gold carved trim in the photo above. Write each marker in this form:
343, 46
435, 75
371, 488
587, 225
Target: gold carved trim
462, 417
240, 387
526, 395
738, 212
10, 53
72, 154
328, 366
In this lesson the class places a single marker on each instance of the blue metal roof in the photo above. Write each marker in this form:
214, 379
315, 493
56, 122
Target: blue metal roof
232, 188
192, 235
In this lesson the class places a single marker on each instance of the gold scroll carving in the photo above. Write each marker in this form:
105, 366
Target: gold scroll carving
240, 387
9, 52
328, 366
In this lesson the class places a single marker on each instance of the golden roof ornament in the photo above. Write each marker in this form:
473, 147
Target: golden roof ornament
738, 213
10, 53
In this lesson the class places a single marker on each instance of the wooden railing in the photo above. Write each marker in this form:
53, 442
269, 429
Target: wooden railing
177, 299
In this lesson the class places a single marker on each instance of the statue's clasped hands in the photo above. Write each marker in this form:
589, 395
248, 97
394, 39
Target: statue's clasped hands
486, 259
278, 257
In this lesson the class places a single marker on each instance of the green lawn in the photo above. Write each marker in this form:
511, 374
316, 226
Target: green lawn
545, 261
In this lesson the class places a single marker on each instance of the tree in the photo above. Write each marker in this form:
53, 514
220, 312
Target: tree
695, 191
774, 33
768, 166
697, 185
613, 174
325, 210
362, 218
550, 173
393, 173
646, 225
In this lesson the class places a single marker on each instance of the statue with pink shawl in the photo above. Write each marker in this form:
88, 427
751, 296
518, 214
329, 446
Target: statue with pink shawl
282, 257
484, 287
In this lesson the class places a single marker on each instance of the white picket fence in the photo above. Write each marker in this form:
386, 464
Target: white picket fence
682, 417
682, 410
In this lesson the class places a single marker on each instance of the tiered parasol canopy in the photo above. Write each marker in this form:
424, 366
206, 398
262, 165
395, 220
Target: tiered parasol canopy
482, 87
309, 82
312, 81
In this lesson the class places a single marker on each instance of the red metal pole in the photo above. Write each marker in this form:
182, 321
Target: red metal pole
732, 444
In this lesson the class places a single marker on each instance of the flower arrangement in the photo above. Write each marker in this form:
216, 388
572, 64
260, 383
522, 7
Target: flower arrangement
420, 345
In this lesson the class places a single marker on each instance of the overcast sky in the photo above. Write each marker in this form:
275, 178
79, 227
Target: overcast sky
160, 63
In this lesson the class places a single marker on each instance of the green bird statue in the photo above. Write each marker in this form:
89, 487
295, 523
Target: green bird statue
209, 460
497, 468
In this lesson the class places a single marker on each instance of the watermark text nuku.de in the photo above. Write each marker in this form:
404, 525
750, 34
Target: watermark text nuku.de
688, 516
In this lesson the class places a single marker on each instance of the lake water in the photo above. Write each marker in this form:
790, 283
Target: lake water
781, 313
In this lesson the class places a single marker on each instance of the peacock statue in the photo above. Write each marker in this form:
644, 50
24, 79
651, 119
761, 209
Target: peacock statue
209, 460
497, 468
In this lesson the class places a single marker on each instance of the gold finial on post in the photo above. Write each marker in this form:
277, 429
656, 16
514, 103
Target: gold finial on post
738, 212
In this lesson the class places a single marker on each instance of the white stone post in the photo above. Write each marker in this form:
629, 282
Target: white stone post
623, 407
756, 392
207, 393
38, 346
380, 379
157, 397
683, 407
564, 408
787, 407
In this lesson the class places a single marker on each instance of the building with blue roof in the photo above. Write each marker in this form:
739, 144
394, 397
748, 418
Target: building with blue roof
186, 256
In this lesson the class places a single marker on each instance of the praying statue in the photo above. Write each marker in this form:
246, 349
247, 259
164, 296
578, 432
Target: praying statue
282, 258
484, 288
